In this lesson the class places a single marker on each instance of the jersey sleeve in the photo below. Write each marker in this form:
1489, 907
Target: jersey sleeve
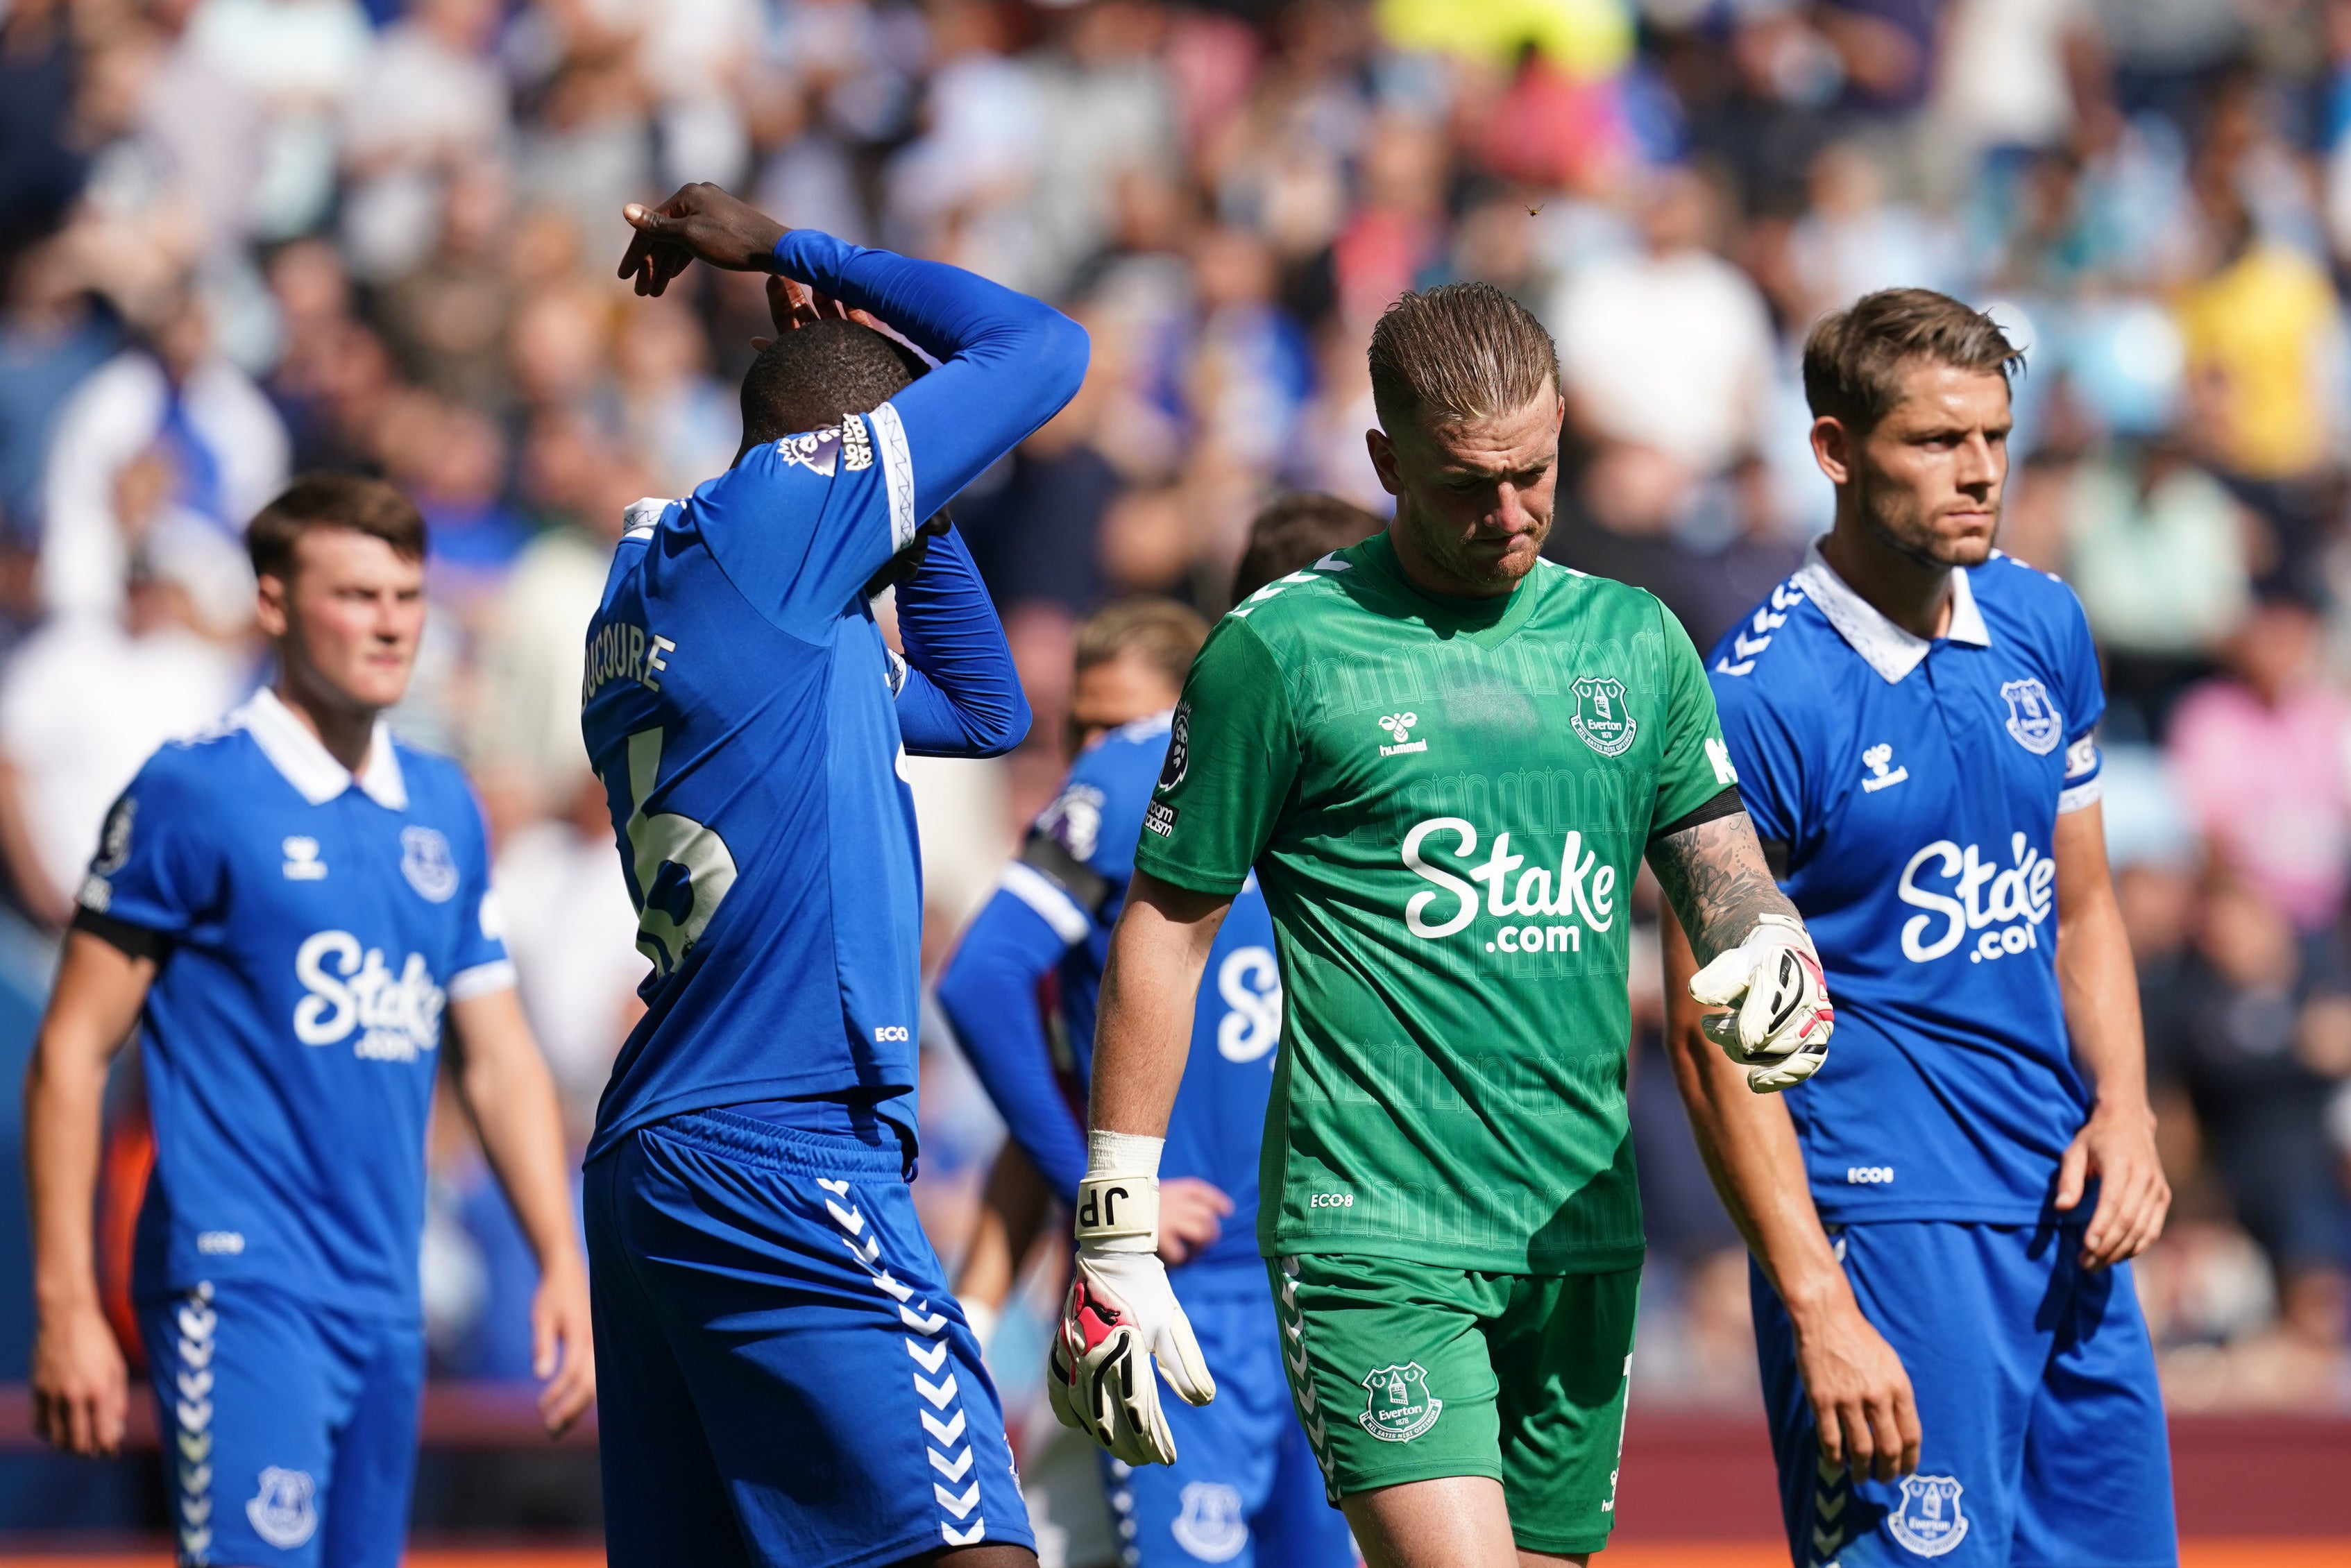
800, 525
958, 695
157, 873
2086, 703
479, 964
1765, 755
1232, 758
990, 992
1695, 768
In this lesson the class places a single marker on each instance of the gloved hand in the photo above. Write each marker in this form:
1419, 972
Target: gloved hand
1120, 1309
1781, 1019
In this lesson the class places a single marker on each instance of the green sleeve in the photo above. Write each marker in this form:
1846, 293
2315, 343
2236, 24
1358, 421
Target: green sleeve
1696, 766
1231, 758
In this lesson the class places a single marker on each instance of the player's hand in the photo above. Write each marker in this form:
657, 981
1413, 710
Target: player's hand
80, 1386
792, 305
1120, 1309
1191, 1217
703, 221
563, 1346
1862, 1404
1781, 1019
2117, 1146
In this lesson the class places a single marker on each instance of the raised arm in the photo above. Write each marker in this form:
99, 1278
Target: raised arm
959, 695
1006, 362
80, 1393
1860, 1393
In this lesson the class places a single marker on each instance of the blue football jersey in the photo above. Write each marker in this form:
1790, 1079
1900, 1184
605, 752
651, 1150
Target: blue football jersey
1074, 873
1917, 788
739, 705
311, 927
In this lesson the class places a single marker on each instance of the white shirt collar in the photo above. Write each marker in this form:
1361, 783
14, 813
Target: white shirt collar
1887, 648
308, 766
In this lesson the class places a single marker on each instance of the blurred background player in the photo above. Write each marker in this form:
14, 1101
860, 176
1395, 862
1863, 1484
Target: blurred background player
1454, 1233
293, 904
1244, 1487
791, 1381
1913, 718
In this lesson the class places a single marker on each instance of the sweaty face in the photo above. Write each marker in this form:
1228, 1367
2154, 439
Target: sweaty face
1473, 496
348, 624
1928, 477
1115, 692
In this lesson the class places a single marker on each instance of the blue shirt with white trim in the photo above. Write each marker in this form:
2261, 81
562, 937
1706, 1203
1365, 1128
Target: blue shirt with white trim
1052, 914
743, 712
1915, 788
311, 927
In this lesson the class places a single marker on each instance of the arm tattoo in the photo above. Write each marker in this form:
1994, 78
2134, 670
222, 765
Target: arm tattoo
1717, 881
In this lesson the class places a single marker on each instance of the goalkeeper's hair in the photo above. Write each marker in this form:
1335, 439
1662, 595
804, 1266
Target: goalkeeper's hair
1459, 351
810, 377
1162, 633
1293, 532
1854, 358
351, 501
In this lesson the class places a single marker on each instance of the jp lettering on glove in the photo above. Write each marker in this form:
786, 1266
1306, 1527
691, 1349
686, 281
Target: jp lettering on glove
1780, 1018
1122, 1315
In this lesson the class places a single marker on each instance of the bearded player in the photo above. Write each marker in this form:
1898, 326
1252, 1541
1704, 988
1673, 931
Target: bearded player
1446, 760
1953, 1356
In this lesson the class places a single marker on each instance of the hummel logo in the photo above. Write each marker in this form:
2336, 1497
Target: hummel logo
302, 862
1399, 725
1875, 759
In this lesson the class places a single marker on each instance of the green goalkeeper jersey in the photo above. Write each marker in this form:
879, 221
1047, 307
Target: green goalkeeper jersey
1446, 802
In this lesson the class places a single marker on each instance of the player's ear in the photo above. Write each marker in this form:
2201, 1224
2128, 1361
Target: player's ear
271, 612
1384, 458
1832, 448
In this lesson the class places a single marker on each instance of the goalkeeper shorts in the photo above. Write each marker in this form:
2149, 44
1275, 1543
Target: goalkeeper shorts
1407, 1372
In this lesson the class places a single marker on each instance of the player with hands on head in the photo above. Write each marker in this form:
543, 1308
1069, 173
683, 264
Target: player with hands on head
1444, 760
294, 912
759, 1266
1941, 1220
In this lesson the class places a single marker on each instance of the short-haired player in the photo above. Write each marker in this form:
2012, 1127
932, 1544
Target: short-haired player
1444, 761
294, 911
1954, 1361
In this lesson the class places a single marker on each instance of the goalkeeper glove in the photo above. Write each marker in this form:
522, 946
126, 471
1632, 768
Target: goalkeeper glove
1781, 1019
1121, 1309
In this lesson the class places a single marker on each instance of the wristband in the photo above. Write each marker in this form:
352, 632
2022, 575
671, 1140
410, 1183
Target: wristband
1127, 1154
1118, 1213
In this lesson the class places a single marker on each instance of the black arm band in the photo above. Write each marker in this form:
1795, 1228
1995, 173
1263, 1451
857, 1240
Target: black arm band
1726, 804
134, 941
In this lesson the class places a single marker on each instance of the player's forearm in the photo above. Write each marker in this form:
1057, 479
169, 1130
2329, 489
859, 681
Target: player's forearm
967, 701
93, 1009
1748, 1142
2096, 974
511, 1097
1715, 877
1158, 953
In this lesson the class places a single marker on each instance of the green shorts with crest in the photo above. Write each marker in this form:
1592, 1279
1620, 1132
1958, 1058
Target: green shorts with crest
1405, 1371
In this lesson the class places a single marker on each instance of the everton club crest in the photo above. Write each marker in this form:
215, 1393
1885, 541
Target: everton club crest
1928, 1520
1400, 1407
2033, 718
1600, 715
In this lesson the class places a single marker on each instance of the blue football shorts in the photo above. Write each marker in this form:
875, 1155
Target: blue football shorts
1244, 1489
782, 1378
2044, 1436
288, 1431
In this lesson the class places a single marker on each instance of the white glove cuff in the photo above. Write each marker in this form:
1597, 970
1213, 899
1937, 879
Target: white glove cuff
1118, 1200
1124, 1153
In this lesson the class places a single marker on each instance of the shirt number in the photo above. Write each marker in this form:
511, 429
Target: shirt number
682, 869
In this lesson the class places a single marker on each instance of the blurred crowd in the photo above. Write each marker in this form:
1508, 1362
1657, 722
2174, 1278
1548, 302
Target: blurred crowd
242, 238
